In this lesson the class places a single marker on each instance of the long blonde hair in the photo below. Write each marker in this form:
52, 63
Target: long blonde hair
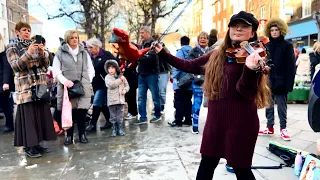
214, 76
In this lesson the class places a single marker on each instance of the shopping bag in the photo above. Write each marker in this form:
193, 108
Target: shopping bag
66, 114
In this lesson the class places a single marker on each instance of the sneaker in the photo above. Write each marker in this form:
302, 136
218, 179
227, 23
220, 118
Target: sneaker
267, 131
140, 121
195, 130
284, 135
174, 124
155, 119
130, 117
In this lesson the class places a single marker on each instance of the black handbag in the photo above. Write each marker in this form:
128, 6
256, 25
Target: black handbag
198, 79
185, 81
77, 89
40, 92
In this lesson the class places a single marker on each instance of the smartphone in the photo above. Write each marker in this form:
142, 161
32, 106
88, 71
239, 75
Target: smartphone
38, 39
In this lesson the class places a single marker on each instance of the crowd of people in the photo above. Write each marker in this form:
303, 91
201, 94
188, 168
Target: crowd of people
233, 91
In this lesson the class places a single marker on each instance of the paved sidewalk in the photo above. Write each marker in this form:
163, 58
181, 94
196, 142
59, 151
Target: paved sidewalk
147, 152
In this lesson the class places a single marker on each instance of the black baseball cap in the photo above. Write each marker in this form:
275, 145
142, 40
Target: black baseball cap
247, 18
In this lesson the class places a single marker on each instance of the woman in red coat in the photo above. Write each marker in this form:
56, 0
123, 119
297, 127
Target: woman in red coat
235, 92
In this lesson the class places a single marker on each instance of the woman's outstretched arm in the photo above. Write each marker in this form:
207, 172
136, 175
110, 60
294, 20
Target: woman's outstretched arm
195, 66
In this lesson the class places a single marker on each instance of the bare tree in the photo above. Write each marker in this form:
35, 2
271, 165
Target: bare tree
94, 16
147, 12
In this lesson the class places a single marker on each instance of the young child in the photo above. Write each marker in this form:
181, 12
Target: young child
117, 88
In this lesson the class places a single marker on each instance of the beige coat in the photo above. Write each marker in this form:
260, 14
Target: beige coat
303, 63
115, 87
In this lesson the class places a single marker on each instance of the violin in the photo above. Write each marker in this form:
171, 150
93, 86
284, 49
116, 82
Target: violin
241, 51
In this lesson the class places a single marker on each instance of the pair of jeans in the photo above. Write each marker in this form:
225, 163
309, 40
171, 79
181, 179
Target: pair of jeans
131, 99
163, 83
183, 105
145, 83
100, 98
7, 108
281, 100
197, 101
209, 164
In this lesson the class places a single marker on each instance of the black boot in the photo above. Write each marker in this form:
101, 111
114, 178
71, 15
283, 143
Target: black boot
83, 138
32, 152
106, 113
92, 127
42, 149
68, 141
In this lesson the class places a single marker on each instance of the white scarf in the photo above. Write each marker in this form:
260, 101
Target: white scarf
2, 46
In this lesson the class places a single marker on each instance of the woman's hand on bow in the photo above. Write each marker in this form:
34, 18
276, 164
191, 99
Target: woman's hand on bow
157, 46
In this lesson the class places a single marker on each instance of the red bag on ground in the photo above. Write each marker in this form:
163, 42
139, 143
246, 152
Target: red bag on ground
66, 114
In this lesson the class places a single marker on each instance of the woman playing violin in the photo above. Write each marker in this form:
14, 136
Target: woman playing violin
235, 91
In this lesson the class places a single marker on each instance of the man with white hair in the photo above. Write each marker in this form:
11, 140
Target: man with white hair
148, 69
99, 57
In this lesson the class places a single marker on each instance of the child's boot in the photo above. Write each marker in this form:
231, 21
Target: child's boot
114, 130
120, 132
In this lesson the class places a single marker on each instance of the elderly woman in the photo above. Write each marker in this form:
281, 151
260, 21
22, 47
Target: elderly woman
6, 86
99, 57
29, 62
71, 63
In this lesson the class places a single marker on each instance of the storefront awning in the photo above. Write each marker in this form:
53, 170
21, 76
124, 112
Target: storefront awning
302, 29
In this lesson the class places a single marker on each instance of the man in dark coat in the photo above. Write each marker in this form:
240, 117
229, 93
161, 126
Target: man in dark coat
6, 87
148, 69
281, 76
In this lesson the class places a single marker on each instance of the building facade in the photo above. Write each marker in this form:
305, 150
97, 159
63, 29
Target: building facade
4, 21
17, 10
36, 26
197, 17
304, 29
222, 10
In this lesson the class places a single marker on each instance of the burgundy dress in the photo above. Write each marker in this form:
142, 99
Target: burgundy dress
232, 124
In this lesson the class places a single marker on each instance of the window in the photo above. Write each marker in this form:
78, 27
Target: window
214, 10
262, 12
4, 33
224, 24
219, 26
219, 7
10, 14
230, 2
214, 26
12, 34
306, 8
224, 4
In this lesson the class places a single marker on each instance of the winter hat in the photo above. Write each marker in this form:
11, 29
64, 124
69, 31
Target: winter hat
112, 62
247, 18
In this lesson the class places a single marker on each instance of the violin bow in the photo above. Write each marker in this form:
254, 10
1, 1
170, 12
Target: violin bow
173, 22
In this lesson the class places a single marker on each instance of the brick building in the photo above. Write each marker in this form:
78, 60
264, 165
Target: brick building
197, 17
17, 10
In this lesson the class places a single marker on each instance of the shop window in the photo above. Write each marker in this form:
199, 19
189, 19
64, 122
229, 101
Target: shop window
219, 7
306, 8
224, 24
224, 4
219, 26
